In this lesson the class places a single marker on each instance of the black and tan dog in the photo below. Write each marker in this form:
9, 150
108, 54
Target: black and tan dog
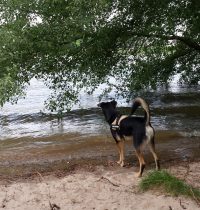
138, 128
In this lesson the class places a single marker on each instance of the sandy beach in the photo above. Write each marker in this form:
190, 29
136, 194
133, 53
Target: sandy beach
99, 187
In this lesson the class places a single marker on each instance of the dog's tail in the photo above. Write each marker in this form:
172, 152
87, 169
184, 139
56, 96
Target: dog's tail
141, 102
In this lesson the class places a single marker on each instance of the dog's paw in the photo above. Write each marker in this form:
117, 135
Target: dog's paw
119, 162
122, 164
137, 175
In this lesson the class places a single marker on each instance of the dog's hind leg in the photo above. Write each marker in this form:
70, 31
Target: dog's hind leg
141, 162
152, 149
120, 146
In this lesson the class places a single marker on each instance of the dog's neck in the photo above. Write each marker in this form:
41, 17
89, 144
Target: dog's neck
111, 116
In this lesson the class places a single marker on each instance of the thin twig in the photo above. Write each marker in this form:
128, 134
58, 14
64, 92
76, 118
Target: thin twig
5, 200
116, 185
183, 207
52, 206
187, 171
195, 198
40, 175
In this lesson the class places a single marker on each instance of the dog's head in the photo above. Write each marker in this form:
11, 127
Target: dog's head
108, 108
108, 105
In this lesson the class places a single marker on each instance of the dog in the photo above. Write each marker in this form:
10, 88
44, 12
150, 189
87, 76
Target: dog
138, 128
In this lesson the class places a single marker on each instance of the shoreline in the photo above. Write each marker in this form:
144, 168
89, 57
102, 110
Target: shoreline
23, 162
61, 168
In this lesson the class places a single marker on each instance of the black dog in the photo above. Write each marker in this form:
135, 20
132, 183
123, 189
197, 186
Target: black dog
138, 128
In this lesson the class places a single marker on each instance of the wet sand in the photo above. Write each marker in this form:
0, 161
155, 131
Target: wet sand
73, 146
21, 161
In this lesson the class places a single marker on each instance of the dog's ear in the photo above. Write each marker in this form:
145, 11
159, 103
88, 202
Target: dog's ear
114, 103
99, 105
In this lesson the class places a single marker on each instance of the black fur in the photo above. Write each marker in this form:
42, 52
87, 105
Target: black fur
130, 126
138, 128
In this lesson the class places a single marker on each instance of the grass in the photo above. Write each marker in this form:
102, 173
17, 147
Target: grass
170, 184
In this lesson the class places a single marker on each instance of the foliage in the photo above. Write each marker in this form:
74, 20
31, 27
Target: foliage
169, 183
76, 44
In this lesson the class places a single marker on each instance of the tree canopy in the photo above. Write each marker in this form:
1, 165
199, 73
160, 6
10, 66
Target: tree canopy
80, 44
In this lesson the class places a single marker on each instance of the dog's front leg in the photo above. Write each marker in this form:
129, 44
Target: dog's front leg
122, 153
120, 146
119, 150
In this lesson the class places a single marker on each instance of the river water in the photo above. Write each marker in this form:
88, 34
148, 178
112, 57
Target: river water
28, 133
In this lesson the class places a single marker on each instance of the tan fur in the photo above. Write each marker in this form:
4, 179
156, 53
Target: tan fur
120, 146
145, 106
115, 123
149, 133
141, 162
121, 118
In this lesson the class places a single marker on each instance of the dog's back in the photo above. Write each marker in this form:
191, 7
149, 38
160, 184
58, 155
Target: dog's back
133, 127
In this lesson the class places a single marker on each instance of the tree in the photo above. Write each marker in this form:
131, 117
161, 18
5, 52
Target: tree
76, 44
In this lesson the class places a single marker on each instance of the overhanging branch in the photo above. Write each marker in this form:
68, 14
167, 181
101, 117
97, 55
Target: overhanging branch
187, 41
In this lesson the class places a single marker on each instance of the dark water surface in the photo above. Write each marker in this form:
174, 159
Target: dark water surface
27, 134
